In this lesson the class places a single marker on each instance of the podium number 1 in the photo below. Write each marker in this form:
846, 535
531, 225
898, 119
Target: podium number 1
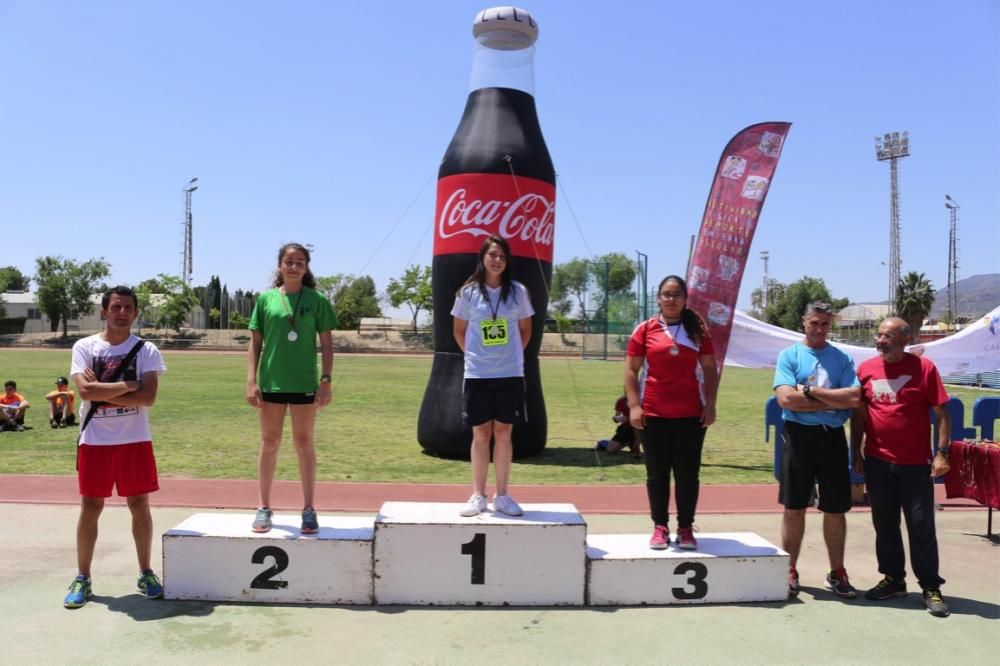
477, 549
263, 580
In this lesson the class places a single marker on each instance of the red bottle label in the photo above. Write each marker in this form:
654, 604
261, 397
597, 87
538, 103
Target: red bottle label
472, 206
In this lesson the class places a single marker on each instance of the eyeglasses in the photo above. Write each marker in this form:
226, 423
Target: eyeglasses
675, 295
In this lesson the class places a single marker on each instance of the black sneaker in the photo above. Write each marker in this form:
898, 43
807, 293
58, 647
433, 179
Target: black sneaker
935, 603
53, 424
887, 588
840, 584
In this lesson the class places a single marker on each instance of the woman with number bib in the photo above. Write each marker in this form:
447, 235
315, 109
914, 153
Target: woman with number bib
672, 406
281, 374
492, 316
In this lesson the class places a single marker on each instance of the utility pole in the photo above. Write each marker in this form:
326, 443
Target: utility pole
892, 146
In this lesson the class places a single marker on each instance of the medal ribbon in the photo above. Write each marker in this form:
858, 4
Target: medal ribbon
285, 301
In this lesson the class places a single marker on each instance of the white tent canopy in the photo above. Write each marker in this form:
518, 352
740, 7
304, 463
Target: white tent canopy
974, 349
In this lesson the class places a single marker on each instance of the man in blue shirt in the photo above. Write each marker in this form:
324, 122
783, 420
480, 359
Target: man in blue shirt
817, 389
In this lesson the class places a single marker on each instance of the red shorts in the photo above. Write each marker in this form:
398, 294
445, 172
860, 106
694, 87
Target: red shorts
130, 467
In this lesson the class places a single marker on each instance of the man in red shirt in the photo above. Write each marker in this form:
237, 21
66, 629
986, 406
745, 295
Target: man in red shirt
899, 389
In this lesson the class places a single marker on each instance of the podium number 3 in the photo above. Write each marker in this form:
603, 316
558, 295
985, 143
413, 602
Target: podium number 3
696, 573
263, 580
477, 548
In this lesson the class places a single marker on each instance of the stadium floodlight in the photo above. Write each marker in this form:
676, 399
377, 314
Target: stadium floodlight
890, 147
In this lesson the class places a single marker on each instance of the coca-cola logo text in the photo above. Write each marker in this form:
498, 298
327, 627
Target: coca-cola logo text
529, 218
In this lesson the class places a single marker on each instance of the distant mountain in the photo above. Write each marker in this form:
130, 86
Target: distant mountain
977, 295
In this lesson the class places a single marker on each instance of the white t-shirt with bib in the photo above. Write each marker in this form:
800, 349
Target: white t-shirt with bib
115, 424
483, 361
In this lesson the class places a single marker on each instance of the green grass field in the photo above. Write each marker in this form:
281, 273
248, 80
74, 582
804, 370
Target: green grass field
203, 428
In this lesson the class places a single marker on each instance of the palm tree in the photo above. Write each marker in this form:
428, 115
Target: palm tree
914, 298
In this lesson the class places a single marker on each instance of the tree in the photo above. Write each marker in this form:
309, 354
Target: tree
179, 300
236, 320
775, 292
144, 298
914, 298
65, 288
413, 289
787, 311
352, 298
569, 280
621, 271
12, 279
214, 315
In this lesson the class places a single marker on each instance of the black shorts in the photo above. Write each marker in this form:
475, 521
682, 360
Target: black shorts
810, 455
624, 434
499, 399
290, 398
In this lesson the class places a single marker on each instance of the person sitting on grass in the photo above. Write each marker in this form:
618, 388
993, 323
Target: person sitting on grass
13, 405
624, 436
61, 402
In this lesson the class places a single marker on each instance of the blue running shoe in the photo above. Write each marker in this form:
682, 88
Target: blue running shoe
79, 592
148, 585
310, 525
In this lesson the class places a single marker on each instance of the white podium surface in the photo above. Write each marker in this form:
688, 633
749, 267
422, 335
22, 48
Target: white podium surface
216, 556
727, 567
426, 553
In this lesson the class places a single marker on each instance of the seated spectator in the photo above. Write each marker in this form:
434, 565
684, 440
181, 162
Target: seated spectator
624, 436
12, 408
61, 404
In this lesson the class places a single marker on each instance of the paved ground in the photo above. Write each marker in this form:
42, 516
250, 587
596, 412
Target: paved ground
118, 626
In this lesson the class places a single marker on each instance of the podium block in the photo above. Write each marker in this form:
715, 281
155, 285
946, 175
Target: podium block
727, 567
426, 554
216, 556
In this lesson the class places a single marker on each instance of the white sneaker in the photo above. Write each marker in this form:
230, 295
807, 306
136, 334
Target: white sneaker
506, 504
475, 506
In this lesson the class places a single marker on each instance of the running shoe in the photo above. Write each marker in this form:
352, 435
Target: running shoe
476, 505
262, 521
793, 582
887, 588
148, 585
79, 592
935, 603
506, 504
661, 538
685, 539
53, 424
309, 523
840, 584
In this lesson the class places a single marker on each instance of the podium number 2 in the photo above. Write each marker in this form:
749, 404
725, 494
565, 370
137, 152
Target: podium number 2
477, 548
263, 580
696, 573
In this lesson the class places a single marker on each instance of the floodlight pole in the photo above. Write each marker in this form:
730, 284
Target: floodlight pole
952, 207
187, 261
892, 146
765, 255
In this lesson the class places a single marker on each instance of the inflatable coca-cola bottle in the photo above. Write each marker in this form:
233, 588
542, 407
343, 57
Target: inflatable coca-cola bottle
496, 178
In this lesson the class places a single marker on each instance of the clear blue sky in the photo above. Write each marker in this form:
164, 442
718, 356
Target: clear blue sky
322, 122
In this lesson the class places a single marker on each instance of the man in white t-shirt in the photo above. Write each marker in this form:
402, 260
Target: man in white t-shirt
117, 376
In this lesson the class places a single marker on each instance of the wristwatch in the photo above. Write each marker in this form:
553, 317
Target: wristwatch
806, 390
944, 451
325, 379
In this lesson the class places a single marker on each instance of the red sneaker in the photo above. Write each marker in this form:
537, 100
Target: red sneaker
661, 538
685, 539
793, 582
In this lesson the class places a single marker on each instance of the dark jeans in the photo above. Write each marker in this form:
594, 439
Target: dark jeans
673, 444
892, 488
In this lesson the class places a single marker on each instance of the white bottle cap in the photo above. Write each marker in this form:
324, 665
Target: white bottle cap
505, 28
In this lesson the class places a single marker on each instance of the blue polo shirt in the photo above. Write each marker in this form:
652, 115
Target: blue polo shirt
825, 368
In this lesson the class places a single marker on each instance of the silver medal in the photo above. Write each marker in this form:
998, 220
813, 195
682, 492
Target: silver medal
292, 336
